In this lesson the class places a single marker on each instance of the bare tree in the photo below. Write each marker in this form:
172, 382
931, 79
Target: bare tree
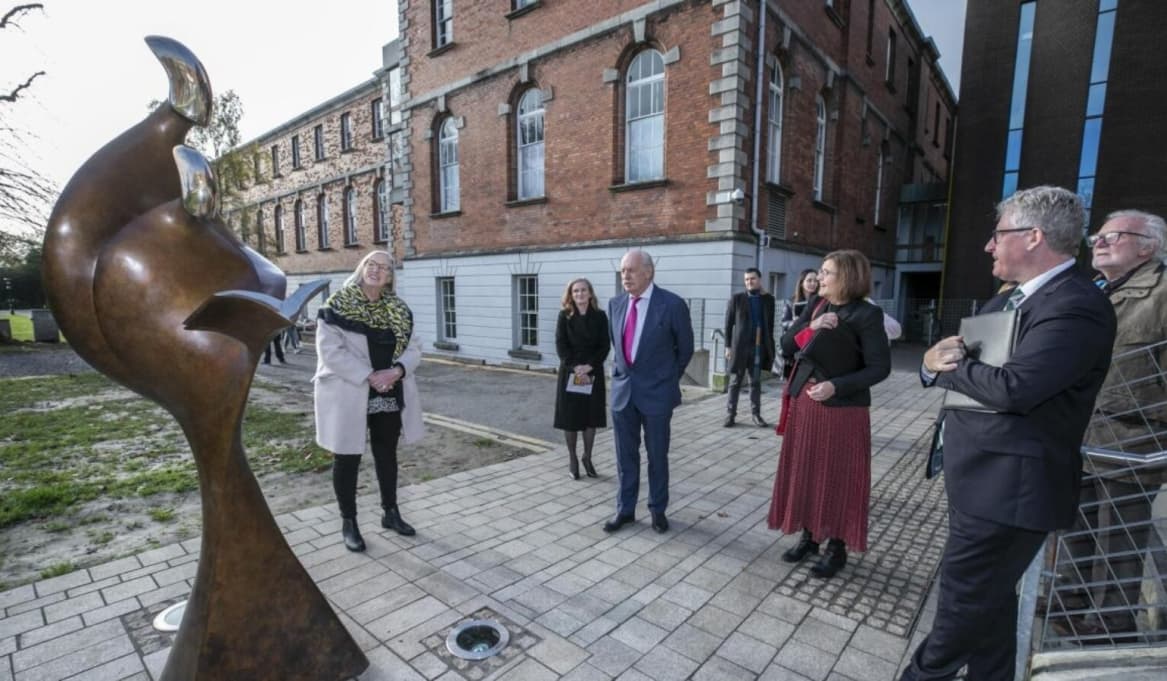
25, 194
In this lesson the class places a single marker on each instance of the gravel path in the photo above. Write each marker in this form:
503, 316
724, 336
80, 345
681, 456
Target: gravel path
40, 359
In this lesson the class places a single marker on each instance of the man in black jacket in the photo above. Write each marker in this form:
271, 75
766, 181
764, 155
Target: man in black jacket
1012, 474
749, 343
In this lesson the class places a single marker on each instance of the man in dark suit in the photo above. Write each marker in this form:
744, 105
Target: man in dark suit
1012, 474
652, 339
749, 344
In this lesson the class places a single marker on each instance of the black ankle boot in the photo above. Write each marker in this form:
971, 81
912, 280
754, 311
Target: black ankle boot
352, 535
833, 560
802, 549
392, 521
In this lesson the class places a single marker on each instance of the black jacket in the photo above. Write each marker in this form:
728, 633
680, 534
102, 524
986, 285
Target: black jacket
738, 333
853, 356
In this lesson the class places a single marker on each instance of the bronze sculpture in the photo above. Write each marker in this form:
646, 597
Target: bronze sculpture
154, 290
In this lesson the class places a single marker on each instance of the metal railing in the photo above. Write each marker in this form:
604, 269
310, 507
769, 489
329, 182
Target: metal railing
1102, 584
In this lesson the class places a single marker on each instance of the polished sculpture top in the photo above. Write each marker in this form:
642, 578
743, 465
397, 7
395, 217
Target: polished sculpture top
153, 289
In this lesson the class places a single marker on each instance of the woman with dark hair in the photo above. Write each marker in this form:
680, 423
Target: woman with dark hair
805, 292
366, 356
824, 469
581, 340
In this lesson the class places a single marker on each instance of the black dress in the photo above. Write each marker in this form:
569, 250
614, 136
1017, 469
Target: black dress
581, 339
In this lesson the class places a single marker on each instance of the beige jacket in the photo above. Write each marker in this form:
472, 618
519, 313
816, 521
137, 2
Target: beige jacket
341, 389
1129, 410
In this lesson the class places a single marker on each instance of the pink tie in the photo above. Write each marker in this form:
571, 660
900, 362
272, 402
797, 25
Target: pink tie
630, 330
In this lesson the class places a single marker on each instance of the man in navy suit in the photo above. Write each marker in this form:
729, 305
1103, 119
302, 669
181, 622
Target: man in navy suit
1012, 474
653, 341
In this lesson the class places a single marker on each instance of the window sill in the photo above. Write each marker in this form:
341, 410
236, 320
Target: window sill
880, 228
301, 250
446, 345
380, 241
825, 207
326, 248
378, 138
784, 189
348, 150
441, 49
633, 186
320, 158
447, 214
297, 168
352, 245
515, 14
520, 353
517, 203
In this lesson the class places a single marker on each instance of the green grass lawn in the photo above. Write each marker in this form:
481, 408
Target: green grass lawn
21, 326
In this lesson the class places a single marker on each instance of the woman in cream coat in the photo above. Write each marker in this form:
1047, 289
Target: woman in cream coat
367, 352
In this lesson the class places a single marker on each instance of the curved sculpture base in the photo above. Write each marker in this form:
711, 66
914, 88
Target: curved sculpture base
255, 613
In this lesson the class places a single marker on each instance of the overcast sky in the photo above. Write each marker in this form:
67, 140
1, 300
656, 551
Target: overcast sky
282, 58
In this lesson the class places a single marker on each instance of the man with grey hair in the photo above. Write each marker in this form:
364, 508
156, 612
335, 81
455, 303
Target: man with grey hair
1115, 515
1012, 471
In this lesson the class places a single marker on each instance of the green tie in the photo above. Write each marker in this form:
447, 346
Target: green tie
1015, 299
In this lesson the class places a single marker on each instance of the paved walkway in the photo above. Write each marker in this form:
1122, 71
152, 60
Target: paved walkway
710, 599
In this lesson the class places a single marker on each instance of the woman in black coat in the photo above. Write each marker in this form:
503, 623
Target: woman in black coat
581, 340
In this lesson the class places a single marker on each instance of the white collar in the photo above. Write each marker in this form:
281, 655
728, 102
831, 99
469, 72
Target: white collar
1030, 287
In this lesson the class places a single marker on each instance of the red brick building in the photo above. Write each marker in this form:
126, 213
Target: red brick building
542, 138
321, 192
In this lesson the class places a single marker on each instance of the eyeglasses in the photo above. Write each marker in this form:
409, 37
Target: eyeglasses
998, 232
374, 266
826, 273
1110, 238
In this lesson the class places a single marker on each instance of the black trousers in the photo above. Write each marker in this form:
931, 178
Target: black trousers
976, 614
279, 346
735, 388
384, 433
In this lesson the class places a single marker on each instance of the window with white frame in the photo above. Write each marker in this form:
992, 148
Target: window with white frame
301, 237
820, 145
346, 131
879, 163
774, 148
530, 141
527, 311
318, 141
644, 138
378, 120
443, 23
447, 313
380, 214
520, 4
322, 220
350, 216
278, 218
448, 167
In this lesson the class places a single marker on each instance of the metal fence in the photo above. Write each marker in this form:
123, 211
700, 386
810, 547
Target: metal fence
1103, 583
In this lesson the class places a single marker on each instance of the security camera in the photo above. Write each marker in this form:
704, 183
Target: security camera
737, 196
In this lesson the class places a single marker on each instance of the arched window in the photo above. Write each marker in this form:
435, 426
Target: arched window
301, 237
350, 216
448, 167
279, 220
380, 218
774, 148
644, 116
530, 140
820, 145
322, 220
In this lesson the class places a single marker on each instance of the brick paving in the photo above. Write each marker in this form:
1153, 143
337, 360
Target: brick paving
710, 599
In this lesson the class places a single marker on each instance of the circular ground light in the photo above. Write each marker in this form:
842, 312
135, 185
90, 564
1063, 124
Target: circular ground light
170, 618
477, 639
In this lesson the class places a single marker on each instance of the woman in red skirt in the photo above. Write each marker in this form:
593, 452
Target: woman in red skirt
824, 468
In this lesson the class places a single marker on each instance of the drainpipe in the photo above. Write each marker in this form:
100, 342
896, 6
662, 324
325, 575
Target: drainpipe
760, 48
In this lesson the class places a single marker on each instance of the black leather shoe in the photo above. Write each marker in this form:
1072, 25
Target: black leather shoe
728, 422
833, 559
618, 522
660, 523
352, 535
588, 467
759, 422
802, 549
392, 521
